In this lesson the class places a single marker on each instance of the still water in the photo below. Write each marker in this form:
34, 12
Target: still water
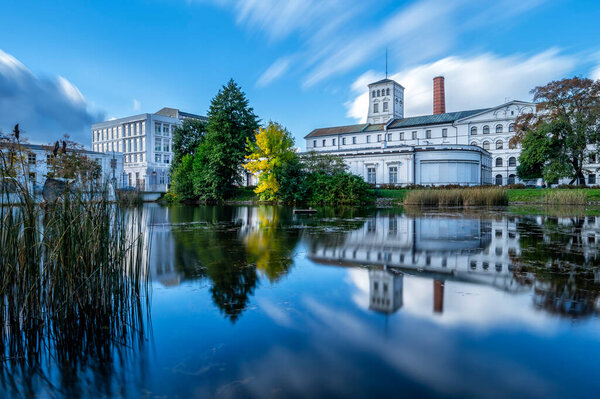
254, 302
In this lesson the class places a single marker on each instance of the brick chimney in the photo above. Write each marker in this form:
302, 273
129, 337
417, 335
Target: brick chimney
439, 95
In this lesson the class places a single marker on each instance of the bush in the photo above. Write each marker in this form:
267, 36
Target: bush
182, 184
338, 188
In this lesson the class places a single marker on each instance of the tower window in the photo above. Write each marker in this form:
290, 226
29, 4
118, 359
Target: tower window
375, 108
378, 93
387, 92
385, 106
373, 94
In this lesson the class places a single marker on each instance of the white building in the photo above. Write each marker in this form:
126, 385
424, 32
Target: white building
145, 141
466, 147
37, 165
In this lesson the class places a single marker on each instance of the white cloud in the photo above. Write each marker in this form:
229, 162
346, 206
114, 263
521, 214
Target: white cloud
276, 69
45, 108
471, 82
137, 105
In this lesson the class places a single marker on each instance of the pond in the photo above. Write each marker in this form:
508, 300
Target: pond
255, 302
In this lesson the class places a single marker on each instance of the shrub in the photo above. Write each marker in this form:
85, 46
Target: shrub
182, 184
339, 188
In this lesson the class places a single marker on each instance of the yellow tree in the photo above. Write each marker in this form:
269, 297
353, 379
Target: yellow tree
272, 149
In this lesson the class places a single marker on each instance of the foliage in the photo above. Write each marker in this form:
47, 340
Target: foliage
292, 179
218, 159
271, 150
338, 188
329, 164
67, 159
563, 133
187, 138
182, 185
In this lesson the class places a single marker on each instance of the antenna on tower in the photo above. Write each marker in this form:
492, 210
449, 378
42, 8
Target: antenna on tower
386, 75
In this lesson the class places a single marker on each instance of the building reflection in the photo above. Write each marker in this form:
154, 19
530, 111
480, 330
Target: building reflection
385, 290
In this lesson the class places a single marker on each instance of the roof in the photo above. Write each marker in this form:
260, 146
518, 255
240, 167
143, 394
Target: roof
49, 147
328, 131
386, 80
175, 113
447, 117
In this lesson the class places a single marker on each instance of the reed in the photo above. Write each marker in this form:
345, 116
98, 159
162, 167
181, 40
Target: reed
564, 197
457, 197
73, 280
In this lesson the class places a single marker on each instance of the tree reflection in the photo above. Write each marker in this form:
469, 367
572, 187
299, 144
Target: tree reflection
558, 259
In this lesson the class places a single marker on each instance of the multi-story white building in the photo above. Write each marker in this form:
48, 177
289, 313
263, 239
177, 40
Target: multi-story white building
145, 141
465, 147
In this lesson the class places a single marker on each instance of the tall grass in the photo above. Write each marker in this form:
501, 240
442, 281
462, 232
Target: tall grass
73, 281
456, 197
565, 197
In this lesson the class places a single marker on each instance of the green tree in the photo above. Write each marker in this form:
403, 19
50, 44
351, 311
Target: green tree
231, 123
271, 149
565, 129
186, 139
329, 164
182, 184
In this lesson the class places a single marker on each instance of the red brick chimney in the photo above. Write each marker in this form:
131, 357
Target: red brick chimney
439, 95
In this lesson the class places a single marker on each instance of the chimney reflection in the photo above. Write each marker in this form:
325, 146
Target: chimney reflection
438, 296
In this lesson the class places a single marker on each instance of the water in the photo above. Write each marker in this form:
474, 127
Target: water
255, 302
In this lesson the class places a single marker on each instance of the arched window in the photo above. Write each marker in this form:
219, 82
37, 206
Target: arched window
486, 145
473, 143
486, 129
512, 144
498, 180
378, 93
387, 92
511, 127
498, 128
373, 93
499, 145
474, 131
498, 162
511, 179
512, 161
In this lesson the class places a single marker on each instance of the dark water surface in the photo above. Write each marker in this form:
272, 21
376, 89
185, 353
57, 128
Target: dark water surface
254, 302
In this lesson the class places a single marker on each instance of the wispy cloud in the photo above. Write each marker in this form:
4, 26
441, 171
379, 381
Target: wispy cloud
332, 37
471, 82
45, 108
137, 105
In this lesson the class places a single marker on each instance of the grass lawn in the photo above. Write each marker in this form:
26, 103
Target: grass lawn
536, 194
397, 194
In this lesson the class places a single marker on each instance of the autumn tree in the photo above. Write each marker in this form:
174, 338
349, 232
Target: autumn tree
563, 133
270, 151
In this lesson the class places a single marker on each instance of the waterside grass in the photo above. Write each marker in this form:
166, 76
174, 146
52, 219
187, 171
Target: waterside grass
456, 197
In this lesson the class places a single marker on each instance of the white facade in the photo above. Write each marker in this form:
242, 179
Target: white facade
463, 134
36, 164
146, 142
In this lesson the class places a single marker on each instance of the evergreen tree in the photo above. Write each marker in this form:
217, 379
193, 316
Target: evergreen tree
186, 139
218, 163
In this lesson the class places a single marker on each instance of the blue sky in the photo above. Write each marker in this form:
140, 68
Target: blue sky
304, 63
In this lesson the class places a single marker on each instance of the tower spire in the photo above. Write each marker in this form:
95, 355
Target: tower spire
386, 73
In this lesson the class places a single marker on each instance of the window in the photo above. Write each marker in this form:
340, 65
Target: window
498, 162
373, 94
353, 140
389, 137
32, 177
157, 144
378, 138
332, 141
401, 135
486, 145
371, 175
166, 129
591, 178
387, 92
368, 139
486, 129
473, 143
498, 180
512, 161
156, 128
511, 180
166, 145
378, 93
31, 158
393, 174
343, 141
323, 142
414, 135
512, 144
428, 134
157, 158
314, 143
166, 159
511, 127
474, 131
444, 132
375, 108
499, 145
498, 128
385, 106
592, 158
